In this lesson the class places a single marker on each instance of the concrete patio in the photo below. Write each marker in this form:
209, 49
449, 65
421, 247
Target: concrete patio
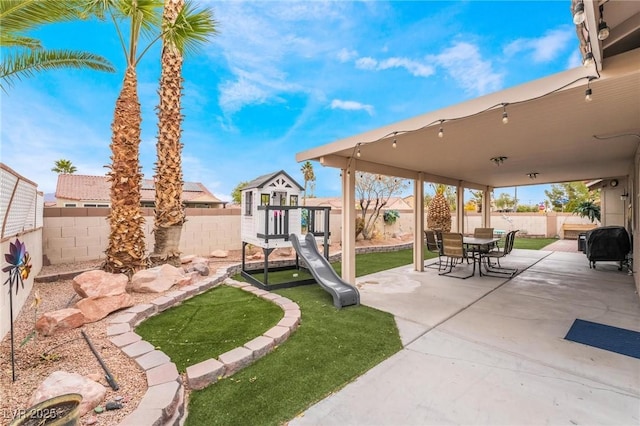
492, 351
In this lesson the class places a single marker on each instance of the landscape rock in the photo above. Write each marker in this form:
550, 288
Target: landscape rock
220, 254
158, 279
96, 308
99, 283
62, 382
200, 267
62, 319
187, 259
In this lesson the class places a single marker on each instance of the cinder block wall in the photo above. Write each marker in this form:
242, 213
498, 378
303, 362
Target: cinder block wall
80, 234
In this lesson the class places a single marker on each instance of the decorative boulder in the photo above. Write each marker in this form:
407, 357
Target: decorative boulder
99, 284
158, 279
96, 308
220, 254
60, 320
187, 259
62, 382
201, 267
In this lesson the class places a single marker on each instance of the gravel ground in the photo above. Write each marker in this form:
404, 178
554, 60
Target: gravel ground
68, 351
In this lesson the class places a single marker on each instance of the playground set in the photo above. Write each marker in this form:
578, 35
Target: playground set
271, 218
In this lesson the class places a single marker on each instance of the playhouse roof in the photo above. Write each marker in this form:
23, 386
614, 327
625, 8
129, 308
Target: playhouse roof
261, 181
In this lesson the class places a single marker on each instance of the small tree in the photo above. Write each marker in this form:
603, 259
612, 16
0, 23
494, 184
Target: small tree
236, 194
439, 211
65, 167
309, 176
374, 192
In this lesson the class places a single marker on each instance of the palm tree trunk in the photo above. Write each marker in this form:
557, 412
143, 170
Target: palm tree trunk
169, 210
126, 248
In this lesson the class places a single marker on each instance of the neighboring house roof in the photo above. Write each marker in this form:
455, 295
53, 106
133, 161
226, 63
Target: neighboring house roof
98, 188
261, 181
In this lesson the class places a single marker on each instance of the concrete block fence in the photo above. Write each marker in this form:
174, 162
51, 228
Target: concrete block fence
81, 234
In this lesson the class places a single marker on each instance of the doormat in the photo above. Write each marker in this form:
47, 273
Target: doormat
614, 339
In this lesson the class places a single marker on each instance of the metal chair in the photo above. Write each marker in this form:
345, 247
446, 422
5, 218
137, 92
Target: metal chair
497, 254
433, 246
453, 249
483, 233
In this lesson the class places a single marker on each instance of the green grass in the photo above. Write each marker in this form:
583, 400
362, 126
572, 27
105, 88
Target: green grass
209, 324
369, 263
330, 348
532, 243
284, 276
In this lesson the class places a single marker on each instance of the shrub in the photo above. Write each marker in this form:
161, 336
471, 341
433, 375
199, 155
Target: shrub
390, 216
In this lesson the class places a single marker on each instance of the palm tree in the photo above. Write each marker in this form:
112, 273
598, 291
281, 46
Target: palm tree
63, 166
183, 28
309, 176
125, 251
26, 55
588, 209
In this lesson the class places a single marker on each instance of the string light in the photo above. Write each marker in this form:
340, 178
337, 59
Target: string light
578, 13
589, 60
505, 115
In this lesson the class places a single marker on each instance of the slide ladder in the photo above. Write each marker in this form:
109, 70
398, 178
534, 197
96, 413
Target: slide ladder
343, 293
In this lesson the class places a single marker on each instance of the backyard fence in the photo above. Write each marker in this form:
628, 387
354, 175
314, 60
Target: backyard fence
21, 204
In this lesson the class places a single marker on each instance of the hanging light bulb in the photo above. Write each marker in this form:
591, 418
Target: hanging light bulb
505, 116
578, 13
358, 154
588, 92
603, 28
588, 60
441, 131
394, 144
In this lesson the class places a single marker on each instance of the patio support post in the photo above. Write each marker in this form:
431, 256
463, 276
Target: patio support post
486, 207
460, 207
349, 223
418, 217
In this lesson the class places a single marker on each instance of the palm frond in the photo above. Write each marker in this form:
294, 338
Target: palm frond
24, 15
26, 64
192, 29
14, 40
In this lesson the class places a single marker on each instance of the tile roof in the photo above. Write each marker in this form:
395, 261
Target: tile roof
97, 188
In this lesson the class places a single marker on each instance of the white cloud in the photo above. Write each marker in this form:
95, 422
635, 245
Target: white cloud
545, 48
415, 68
575, 59
346, 55
351, 106
366, 63
464, 63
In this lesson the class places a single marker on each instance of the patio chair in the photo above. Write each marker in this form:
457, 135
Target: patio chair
453, 249
483, 233
434, 247
499, 253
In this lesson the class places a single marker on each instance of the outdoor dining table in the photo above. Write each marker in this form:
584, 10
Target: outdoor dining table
477, 243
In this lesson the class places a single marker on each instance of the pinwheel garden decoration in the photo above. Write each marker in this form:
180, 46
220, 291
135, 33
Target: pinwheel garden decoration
19, 268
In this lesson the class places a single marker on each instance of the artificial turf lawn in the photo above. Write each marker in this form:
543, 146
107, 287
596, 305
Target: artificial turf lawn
330, 348
532, 243
209, 325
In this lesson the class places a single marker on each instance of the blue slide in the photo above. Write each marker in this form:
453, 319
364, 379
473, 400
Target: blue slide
343, 294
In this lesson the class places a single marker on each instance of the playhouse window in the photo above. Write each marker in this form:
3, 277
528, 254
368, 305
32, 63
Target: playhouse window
265, 199
293, 200
248, 203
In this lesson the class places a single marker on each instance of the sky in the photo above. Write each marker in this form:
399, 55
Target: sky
281, 77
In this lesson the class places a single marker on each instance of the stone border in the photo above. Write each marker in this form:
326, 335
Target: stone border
164, 401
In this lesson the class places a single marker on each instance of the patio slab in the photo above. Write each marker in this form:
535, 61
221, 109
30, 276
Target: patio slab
492, 351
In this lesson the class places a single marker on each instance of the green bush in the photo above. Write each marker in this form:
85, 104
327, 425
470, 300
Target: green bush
390, 216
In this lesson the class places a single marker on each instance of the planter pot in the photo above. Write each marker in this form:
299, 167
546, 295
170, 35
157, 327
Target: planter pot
62, 410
